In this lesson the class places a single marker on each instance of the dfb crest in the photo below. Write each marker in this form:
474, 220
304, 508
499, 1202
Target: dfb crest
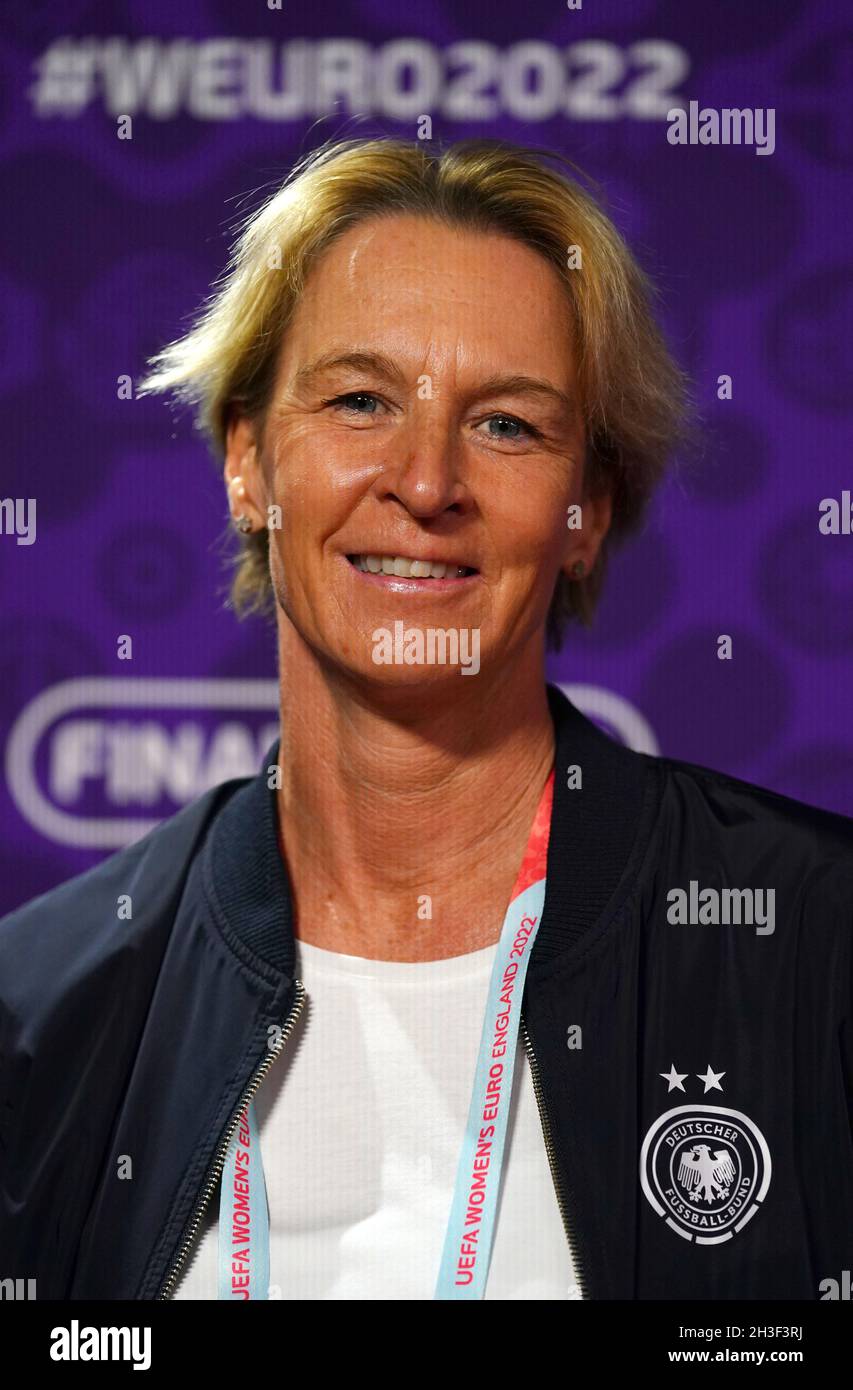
705, 1169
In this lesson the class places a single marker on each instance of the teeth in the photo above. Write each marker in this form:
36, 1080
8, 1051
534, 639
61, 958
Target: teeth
402, 568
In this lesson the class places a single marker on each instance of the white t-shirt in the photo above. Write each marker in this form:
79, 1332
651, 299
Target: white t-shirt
361, 1121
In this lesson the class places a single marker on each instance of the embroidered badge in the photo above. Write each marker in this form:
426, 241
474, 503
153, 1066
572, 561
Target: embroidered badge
705, 1169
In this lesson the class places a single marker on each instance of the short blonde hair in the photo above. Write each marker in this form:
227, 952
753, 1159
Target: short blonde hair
634, 397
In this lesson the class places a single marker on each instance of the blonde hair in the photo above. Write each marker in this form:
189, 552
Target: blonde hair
633, 395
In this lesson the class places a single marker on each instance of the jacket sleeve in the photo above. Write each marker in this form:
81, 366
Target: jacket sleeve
78, 968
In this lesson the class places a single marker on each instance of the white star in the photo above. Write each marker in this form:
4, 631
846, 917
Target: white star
674, 1078
711, 1079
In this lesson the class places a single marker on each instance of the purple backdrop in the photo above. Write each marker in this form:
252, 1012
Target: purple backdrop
110, 244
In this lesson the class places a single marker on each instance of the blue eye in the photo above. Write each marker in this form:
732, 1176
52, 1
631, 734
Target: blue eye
361, 397
509, 427
506, 425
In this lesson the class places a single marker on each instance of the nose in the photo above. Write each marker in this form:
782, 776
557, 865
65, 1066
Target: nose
423, 471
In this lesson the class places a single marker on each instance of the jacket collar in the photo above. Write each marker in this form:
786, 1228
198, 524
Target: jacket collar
598, 831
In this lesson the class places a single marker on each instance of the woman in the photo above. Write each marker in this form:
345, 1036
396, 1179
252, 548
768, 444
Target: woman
439, 394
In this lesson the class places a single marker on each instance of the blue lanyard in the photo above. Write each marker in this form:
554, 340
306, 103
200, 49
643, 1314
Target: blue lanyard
464, 1266
244, 1218
243, 1211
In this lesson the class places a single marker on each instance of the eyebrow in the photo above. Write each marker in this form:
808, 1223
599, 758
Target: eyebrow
378, 363
519, 385
375, 362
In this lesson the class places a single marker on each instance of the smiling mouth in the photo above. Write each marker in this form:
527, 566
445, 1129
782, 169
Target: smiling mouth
400, 567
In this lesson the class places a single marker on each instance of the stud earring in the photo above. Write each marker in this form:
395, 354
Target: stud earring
242, 522
578, 569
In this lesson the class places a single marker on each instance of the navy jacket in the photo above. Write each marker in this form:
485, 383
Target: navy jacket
694, 1078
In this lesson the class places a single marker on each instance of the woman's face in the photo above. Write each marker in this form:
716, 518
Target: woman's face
424, 409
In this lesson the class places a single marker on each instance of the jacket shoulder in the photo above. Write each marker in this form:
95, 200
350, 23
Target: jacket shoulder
791, 827
80, 917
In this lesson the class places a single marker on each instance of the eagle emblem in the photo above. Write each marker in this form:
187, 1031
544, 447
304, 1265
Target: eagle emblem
706, 1176
705, 1169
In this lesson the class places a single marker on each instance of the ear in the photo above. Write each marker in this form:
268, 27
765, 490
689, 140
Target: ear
584, 543
242, 471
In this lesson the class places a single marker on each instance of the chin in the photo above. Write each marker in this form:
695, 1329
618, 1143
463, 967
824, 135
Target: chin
414, 677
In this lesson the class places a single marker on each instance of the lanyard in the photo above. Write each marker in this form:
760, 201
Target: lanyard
244, 1222
463, 1271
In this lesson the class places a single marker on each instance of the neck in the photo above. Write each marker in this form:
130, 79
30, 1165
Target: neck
405, 813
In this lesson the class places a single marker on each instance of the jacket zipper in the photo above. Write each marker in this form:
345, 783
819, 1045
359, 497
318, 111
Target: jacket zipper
221, 1154
556, 1176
